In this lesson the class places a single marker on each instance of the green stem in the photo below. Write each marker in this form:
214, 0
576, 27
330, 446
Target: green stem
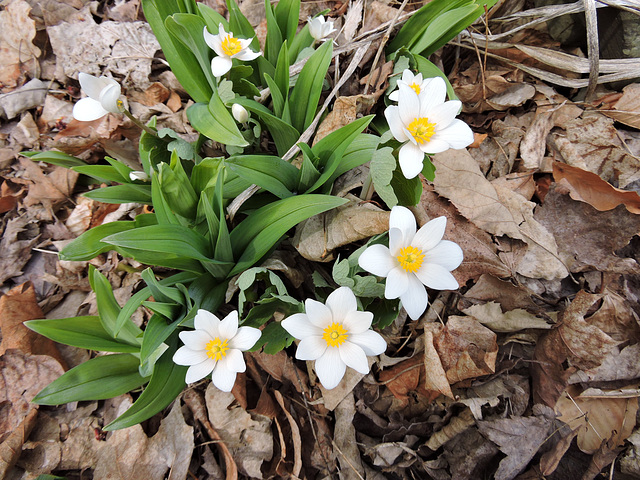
130, 116
367, 188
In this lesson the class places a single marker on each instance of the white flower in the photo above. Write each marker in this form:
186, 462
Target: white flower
239, 113
227, 47
413, 260
138, 175
103, 92
416, 83
319, 29
335, 335
215, 346
426, 123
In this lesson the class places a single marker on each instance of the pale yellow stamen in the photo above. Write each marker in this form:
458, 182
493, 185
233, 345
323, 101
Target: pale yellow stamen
335, 334
422, 130
410, 259
415, 87
231, 45
216, 348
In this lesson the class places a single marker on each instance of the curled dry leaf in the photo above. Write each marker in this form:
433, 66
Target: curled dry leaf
316, 238
345, 441
588, 187
597, 419
456, 425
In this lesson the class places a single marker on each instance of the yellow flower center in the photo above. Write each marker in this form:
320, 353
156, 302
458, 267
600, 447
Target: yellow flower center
410, 259
415, 87
231, 45
335, 335
216, 348
421, 129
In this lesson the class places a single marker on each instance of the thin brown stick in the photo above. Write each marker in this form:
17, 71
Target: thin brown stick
593, 47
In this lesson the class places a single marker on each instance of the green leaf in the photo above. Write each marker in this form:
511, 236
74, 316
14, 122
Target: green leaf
215, 122
282, 72
157, 331
407, 190
265, 308
302, 40
122, 169
274, 338
183, 62
429, 169
429, 70
306, 93
359, 152
261, 230
82, 332
100, 378
308, 171
165, 385
446, 26
101, 173
287, 14
383, 164
55, 158
212, 18
160, 292
130, 193
176, 188
274, 35
240, 26
268, 172
276, 96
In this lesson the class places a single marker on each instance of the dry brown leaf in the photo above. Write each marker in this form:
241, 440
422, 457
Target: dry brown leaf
550, 460
465, 347
534, 142
588, 187
436, 381
11, 446
480, 252
522, 183
491, 316
403, 377
248, 437
316, 238
16, 307
618, 365
283, 369
345, 441
509, 296
345, 110
50, 189
29, 95
332, 398
15, 253
295, 435
569, 221
627, 109
18, 54
519, 438
497, 210
597, 419
469, 455
456, 425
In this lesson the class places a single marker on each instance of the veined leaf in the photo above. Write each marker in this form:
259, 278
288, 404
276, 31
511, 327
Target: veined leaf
215, 122
82, 332
268, 172
359, 152
100, 378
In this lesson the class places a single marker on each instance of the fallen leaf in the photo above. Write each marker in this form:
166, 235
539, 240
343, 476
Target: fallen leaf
508, 295
403, 377
457, 425
597, 419
549, 460
295, 435
617, 365
345, 110
498, 211
519, 438
332, 398
283, 369
588, 187
11, 446
627, 109
30, 95
534, 142
584, 235
491, 316
469, 455
50, 189
248, 437
317, 238
15, 253
18, 54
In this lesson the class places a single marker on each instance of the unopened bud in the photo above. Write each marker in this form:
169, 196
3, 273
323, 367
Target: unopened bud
138, 175
239, 113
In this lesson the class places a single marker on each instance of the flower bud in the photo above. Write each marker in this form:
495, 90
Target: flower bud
138, 175
239, 113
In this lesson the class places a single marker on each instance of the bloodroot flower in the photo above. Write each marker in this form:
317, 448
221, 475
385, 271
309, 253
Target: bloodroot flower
416, 83
335, 335
215, 346
319, 28
413, 260
426, 123
227, 47
103, 95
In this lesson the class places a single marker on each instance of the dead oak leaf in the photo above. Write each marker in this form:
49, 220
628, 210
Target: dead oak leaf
15, 253
47, 189
18, 54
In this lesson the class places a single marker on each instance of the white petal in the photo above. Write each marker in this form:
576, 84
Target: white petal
436, 95
311, 348
232, 361
245, 338
397, 283
194, 339
437, 277
109, 98
229, 325
435, 145
200, 370
209, 38
415, 299
330, 368
353, 356
430, 234
377, 259
442, 115
458, 135
187, 356
220, 65
447, 254
299, 326
392, 114
396, 243
402, 219
244, 43
411, 160
91, 85
223, 378
408, 76
371, 342
394, 95
357, 322
341, 302
208, 322
247, 55
408, 104
319, 314
88, 109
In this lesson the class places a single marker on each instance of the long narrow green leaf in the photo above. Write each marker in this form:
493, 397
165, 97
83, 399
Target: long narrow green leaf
240, 26
287, 14
274, 36
55, 158
100, 378
444, 27
129, 193
212, 18
89, 245
102, 173
268, 172
82, 332
359, 152
215, 122
276, 96
157, 331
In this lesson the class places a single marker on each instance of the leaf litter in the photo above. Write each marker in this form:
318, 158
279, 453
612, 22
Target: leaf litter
532, 360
